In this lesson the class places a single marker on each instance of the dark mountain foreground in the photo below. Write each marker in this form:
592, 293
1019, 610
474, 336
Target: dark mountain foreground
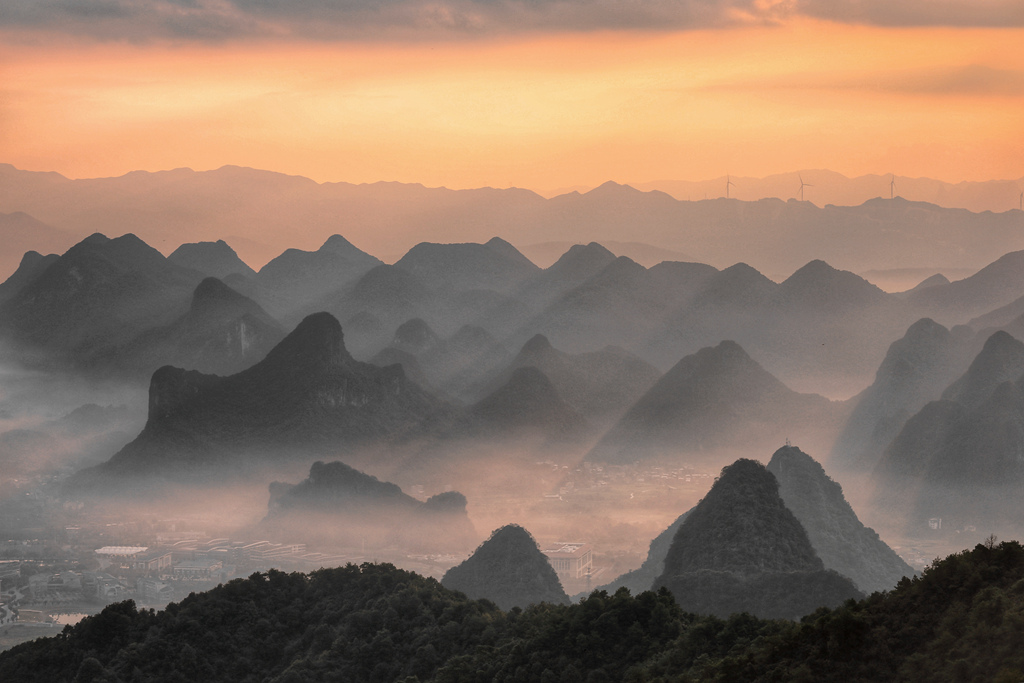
741, 550
339, 506
509, 570
842, 542
960, 621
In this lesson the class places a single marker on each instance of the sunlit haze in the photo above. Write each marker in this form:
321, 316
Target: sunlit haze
541, 110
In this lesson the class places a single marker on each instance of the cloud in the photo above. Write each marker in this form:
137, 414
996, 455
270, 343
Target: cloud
970, 80
218, 20
140, 20
952, 13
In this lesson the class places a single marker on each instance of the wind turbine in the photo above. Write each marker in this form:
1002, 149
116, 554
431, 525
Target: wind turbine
728, 182
802, 186
892, 186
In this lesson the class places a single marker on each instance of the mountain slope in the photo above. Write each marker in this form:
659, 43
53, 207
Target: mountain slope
307, 395
337, 505
842, 542
717, 397
915, 370
509, 570
741, 550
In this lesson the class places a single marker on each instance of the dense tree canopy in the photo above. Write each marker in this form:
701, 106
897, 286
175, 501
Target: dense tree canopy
962, 620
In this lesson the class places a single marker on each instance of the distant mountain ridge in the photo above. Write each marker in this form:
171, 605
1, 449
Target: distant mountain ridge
776, 236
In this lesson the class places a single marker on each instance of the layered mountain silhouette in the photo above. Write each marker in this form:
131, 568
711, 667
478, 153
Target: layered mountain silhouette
527, 402
307, 395
509, 570
996, 285
222, 333
338, 505
215, 259
266, 212
31, 266
598, 384
97, 295
450, 365
839, 538
20, 232
495, 265
297, 282
741, 550
958, 459
717, 397
916, 369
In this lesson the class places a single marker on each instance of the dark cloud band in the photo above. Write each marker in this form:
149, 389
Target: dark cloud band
213, 20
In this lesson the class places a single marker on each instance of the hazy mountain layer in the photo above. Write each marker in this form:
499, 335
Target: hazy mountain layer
839, 538
337, 505
916, 369
97, 295
958, 459
261, 213
599, 384
308, 394
718, 397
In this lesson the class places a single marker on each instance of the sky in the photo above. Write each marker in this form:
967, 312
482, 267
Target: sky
543, 94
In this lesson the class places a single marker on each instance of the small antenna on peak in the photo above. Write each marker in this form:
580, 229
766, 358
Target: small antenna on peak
788, 444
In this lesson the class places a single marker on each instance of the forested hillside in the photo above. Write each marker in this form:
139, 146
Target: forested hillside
963, 620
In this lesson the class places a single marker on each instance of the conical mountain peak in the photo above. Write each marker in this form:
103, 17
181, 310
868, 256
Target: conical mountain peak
1000, 360
316, 341
508, 569
537, 344
744, 507
212, 293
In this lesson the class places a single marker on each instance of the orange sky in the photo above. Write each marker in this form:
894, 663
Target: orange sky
536, 110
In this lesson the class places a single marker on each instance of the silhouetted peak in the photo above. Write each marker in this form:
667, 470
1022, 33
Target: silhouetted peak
95, 239
414, 335
592, 252
926, 328
936, 280
791, 456
211, 292
448, 502
1002, 344
1000, 360
536, 344
316, 341
743, 506
611, 188
512, 537
29, 259
818, 282
339, 245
